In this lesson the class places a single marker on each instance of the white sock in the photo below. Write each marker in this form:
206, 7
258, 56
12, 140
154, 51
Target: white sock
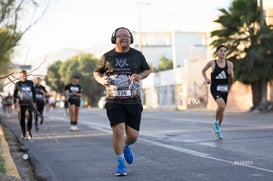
120, 156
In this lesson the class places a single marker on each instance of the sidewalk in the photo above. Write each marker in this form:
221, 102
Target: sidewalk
12, 173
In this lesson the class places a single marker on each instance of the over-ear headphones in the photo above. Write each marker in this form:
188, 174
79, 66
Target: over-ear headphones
114, 35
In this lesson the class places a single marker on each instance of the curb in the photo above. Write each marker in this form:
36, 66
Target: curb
9, 164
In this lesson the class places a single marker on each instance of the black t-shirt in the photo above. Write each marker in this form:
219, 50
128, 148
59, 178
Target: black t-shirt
119, 67
40, 97
131, 62
70, 88
25, 92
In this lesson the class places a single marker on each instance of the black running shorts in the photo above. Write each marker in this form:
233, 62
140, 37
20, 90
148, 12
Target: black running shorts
216, 95
130, 114
40, 105
76, 102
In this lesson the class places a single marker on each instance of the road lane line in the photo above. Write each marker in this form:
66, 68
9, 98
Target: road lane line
176, 148
200, 154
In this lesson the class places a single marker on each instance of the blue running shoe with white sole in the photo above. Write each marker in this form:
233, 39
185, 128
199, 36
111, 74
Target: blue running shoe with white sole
121, 168
219, 135
128, 154
216, 126
216, 130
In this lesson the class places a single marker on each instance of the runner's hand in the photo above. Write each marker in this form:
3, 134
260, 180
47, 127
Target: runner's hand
105, 81
135, 77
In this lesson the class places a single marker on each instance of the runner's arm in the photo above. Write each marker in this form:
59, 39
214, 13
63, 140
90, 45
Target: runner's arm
103, 80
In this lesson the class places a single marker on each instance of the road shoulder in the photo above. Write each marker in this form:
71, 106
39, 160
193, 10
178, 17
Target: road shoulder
10, 167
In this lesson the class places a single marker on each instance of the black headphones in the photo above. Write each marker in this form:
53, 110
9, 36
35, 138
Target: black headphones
114, 35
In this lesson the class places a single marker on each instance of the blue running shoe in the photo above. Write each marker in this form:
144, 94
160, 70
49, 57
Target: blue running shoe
121, 168
128, 154
219, 135
216, 127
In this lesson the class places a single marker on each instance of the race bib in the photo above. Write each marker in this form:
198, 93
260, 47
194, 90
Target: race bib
116, 93
122, 93
39, 96
222, 88
122, 88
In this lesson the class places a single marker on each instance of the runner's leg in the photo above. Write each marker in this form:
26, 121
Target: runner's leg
118, 138
220, 110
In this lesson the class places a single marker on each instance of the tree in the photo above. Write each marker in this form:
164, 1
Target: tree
91, 89
165, 64
53, 78
83, 65
248, 42
11, 30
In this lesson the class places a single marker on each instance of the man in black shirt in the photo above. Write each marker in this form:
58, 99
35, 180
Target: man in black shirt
120, 71
24, 91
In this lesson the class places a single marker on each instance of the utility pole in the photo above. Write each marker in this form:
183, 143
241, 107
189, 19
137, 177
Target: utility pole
140, 5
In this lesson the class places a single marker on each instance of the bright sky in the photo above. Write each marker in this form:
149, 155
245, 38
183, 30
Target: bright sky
82, 24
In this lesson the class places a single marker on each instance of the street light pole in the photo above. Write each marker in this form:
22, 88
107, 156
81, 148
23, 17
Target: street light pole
140, 4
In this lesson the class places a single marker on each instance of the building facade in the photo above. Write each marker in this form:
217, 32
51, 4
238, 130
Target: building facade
182, 86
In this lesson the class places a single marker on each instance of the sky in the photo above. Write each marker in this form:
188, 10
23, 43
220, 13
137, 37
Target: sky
81, 24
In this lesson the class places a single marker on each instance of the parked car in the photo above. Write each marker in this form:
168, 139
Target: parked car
101, 102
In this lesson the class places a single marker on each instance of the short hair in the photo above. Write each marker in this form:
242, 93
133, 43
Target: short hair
23, 72
76, 77
220, 46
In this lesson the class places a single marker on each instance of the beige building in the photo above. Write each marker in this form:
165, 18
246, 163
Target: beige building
181, 87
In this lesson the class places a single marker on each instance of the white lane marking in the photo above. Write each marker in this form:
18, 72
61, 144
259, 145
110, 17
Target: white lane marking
176, 148
200, 154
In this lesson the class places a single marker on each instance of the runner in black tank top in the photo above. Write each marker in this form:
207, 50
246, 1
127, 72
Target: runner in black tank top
219, 82
221, 71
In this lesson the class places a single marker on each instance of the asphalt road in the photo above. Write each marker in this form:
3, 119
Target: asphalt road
173, 145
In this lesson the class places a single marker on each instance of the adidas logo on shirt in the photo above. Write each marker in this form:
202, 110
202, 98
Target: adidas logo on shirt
221, 75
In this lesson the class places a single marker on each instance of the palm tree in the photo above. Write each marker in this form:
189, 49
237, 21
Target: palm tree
250, 45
